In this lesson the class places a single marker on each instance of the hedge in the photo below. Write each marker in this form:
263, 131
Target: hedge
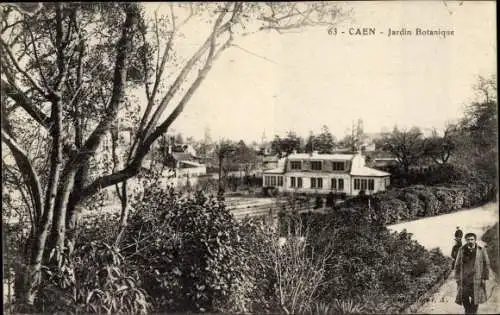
381, 272
400, 204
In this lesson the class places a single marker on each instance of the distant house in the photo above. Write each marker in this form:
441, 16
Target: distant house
269, 162
324, 173
382, 162
184, 166
381, 159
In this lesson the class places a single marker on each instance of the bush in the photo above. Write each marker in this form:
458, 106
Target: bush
257, 294
490, 237
391, 209
431, 203
186, 251
318, 202
414, 204
95, 280
369, 261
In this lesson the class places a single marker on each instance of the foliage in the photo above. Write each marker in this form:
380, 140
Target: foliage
406, 145
354, 141
324, 142
490, 237
370, 261
348, 306
440, 148
185, 250
96, 281
401, 204
287, 145
257, 293
318, 202
75, 73
299, 270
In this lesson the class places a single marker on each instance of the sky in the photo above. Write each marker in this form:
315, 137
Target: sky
271, 83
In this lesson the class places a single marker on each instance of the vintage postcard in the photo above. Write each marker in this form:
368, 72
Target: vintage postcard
250, 157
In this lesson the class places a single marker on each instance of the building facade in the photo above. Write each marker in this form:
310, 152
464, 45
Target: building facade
323, 173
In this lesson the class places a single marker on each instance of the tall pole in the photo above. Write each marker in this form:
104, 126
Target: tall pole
353, 135
221, 156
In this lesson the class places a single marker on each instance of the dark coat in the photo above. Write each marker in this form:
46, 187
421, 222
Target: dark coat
481, 272
454, 253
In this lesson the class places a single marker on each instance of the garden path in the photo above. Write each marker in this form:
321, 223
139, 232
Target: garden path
438, 232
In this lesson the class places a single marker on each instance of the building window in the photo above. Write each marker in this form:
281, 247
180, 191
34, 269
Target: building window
293, 181
316, 165
295, 165
316, 182
387, 182
273, 181
280, 181
334, 183
341, 184
299, 182
356, 183
266, 181
371, 184
338, 166
364, 184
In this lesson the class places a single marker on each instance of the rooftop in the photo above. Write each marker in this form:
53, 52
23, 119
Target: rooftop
314, 156
279, 169
367, 171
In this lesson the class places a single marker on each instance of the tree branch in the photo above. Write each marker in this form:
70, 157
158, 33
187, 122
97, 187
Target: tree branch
37, 59
111, 112
18, 67
28, 172
22, 100
212, 56
184, 73
133, 167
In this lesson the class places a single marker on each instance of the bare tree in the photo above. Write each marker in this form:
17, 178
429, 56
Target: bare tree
406, 145
440, 148
84, 60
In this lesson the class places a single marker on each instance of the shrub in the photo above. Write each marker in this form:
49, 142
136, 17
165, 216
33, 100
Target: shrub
257, 294
186, 251
431, 203
414, 204
490, 237
390, 268
94, 280
318, 202
446, 198
392, 210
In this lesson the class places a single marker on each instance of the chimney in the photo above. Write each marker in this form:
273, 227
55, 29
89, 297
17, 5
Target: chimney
294, 151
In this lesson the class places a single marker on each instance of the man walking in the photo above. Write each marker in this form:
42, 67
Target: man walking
471, 272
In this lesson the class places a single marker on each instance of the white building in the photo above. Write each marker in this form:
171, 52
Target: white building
324, 173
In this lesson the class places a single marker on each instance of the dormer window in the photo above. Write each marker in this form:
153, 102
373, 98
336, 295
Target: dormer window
338, 166
295, 165
316, 165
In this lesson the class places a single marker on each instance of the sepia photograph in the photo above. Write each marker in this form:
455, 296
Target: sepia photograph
305, 157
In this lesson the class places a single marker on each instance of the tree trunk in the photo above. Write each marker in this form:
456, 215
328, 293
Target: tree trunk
58, 233
123, 215
33, 274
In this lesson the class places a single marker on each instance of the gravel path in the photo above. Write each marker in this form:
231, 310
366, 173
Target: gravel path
438, 232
